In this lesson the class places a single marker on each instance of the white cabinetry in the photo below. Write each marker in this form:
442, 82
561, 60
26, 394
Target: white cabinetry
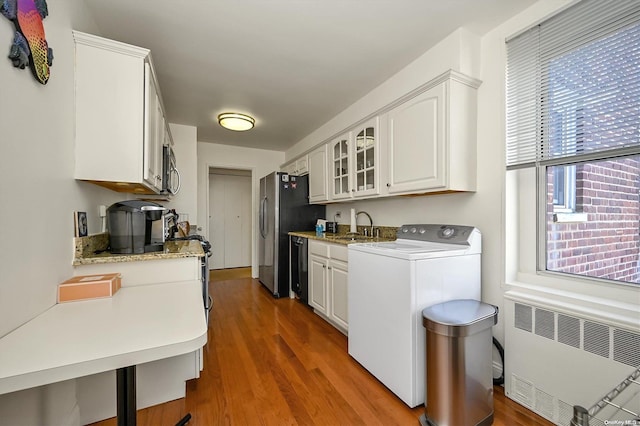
318, 175
318, 282
431, 138
120, 124
365, 155
299, 167
340, 167
328, 284
288, 168
354, 162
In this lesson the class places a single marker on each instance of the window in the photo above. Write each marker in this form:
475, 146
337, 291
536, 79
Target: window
573, 114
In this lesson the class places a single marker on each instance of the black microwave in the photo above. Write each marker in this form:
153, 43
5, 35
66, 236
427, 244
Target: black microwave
170, 173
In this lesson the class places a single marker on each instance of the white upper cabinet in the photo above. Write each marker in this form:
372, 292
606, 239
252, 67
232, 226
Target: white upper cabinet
431, 139
298, 167
366, 156
120, 124
340, 167
289, 168
154, 132
318, 175
354, 162
424, 142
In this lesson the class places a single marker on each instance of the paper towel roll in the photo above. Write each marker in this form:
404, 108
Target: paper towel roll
353, 228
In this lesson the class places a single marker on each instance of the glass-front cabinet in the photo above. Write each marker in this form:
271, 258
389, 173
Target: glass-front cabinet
366, 156
340, 155
354, 162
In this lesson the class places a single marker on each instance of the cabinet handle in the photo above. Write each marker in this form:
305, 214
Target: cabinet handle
329, 267
388, 185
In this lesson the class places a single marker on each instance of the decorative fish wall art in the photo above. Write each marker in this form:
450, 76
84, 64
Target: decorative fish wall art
29, 46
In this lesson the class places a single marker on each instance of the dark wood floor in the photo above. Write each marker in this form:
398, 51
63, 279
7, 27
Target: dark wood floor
274, 362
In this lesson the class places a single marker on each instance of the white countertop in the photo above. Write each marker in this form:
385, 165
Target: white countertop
137, 325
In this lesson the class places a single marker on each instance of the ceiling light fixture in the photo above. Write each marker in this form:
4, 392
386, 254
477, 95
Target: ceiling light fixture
236, 121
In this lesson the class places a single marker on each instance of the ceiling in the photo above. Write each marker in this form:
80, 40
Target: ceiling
291, 64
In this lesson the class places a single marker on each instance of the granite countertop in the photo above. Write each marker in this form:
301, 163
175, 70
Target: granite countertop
89, 250
341, 237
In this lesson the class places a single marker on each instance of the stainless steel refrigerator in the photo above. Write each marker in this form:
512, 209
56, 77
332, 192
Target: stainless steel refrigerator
284, 207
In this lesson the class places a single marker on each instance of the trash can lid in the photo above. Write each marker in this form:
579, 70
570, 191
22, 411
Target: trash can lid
445, 317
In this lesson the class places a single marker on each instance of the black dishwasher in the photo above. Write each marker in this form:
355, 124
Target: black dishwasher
299, 268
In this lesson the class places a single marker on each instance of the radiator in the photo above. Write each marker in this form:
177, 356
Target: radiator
555, 360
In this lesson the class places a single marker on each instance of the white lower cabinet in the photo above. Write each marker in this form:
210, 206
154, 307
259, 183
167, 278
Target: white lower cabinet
328, 284
318, 283
158, 381
338, 288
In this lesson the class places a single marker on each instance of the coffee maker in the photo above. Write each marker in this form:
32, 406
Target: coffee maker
136, 227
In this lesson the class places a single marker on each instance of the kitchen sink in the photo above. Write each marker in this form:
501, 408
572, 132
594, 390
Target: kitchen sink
353, 238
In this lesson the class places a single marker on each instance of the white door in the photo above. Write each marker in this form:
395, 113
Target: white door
216, 220
230, 218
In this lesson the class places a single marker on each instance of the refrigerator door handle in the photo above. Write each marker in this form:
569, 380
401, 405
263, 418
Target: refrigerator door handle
263, 217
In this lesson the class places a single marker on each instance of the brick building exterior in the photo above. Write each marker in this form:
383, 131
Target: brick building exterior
606, 244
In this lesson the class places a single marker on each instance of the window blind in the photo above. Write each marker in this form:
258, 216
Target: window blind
573, 86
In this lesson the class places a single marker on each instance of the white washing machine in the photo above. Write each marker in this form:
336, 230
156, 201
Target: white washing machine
390, 283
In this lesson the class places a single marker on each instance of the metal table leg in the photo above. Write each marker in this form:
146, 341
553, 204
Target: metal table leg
126, 395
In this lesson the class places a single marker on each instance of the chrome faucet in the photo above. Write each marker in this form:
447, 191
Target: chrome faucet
370, 221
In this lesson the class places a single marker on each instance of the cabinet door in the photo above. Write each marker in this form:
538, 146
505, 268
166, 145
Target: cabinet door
302, 166
109, 113
338, 289
318, 175
318, 283
340, 167
289, 168
153, 132
416, 143
365, 159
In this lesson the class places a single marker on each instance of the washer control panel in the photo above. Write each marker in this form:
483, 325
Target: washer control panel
449, 234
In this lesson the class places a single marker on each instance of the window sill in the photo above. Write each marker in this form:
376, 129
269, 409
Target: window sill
570, 217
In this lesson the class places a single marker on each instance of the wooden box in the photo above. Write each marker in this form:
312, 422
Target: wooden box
89, 287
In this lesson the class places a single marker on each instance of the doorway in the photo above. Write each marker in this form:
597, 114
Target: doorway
230, 218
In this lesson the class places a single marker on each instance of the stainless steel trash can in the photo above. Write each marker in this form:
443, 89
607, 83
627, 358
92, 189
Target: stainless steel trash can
459, 376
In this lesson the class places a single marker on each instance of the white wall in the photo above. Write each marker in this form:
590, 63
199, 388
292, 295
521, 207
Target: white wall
260, 162
39, 196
